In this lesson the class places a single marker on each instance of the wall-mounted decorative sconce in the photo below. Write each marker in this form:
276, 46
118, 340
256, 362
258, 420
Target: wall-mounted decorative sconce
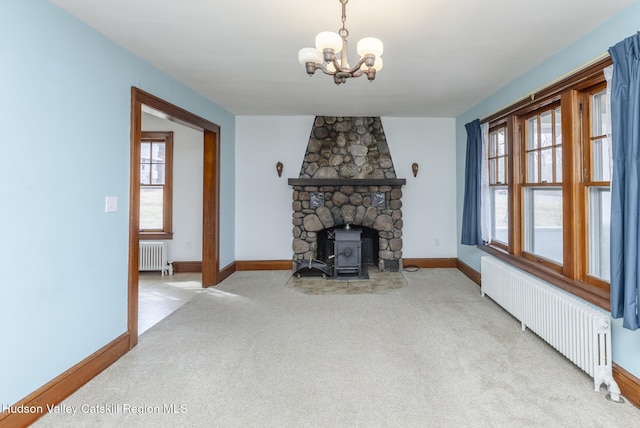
414, 168
279, 167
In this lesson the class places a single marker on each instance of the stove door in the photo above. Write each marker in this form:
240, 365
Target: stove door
347, 257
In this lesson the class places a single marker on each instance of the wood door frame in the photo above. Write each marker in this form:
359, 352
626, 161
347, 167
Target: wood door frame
210, 197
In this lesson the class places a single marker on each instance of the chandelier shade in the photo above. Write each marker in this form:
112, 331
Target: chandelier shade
306, 55
329, 44
369, 45
329, 40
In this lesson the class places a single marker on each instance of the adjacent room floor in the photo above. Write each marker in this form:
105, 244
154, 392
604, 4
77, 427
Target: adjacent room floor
159, 296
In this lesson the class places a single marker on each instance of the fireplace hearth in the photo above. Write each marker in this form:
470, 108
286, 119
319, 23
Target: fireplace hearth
347, 178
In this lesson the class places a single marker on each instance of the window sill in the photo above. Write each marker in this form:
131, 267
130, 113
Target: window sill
585, 291
148, 236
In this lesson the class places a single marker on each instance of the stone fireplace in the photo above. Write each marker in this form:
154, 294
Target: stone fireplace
347, 180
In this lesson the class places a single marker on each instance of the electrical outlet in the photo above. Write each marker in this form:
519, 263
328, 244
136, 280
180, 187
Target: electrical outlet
436, 242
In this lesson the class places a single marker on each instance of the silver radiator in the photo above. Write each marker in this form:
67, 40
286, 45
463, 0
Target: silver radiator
578, 331
153, 257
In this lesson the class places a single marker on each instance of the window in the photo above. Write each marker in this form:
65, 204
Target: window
156, 152
597, 184
498, 173
542, 148
549, 174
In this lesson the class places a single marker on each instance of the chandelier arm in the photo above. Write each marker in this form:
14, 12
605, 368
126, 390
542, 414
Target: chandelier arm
338, 65
323, 68
355, 68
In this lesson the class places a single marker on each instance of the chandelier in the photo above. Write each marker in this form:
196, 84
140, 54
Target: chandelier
329, 44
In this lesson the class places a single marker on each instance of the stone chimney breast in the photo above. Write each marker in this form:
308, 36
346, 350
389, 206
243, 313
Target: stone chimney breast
347, 178
347, 147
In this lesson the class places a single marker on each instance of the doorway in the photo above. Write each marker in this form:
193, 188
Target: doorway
210, 197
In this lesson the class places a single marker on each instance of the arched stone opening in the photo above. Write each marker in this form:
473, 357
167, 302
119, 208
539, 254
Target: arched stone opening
374, 207
370, 244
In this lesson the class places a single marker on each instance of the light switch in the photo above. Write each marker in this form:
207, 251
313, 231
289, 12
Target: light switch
111, 204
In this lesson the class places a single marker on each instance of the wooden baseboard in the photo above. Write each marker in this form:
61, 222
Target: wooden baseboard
227, 271
264, 265
287, 264
430, 263
55, 391
183, 267
470, 272
628, 383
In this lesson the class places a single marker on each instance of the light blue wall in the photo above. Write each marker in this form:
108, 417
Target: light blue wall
626, 344
65, 121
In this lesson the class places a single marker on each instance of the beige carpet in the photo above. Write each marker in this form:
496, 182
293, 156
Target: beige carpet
255, 353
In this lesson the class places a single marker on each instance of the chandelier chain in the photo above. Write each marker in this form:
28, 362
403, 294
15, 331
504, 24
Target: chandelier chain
344, 33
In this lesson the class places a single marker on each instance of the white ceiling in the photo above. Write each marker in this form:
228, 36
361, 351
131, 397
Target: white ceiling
441, 57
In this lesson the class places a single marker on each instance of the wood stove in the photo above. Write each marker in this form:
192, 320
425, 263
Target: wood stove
347, 252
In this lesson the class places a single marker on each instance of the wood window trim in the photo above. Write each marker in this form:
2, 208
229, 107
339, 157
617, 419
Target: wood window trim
572, 275
167, 228
493, 182
586, 181
503, 246
499, 158
155, 236
551, 107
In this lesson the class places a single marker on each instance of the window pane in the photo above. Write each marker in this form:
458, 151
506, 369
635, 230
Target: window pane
159, 153
546, 165
492, 171
157, 174
558, 165
145, 152
501, 173
598, 114
532, 133
145, 174
532, 167
506, 169
543, 223
500, 208
492, 144
501, 143
599, 238
546, 129
151, 208
558, 120
600, 159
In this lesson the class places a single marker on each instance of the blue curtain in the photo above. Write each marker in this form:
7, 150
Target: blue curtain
471, 213
625, 183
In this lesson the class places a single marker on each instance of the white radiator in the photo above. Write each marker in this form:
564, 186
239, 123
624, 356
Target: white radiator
578, 331
153, 257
